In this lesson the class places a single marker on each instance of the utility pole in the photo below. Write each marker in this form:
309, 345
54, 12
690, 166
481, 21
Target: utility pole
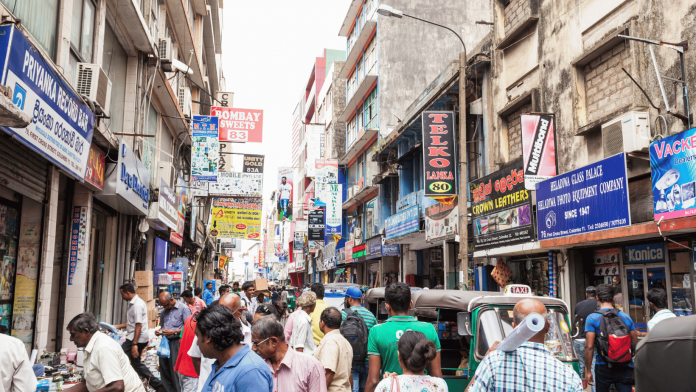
463, 175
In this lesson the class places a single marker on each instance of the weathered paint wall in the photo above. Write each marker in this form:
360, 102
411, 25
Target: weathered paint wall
337, 133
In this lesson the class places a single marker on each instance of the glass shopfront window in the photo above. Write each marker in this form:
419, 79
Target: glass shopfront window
9, 233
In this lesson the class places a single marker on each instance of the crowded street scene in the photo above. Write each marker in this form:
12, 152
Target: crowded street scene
347, 195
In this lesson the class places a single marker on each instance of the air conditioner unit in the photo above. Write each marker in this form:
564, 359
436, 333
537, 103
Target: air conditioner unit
626, 133
93, 83
165, 171
350, 192
185, 103
356, 189
368, 182
165, 49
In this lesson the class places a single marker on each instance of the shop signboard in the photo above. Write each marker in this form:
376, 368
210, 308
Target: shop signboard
673, 163
502, 209
285, 184
415, 198
301, 225
606, 262
348, 252
167, 206
291, 267
127, 189
253, 163
326, 173
177, 235
237, 217
204, 148
316, 225
239, 125
225, 156
200, 234
588, 199
442, 222
230, 184
198, 188
374, 248
646, 253
538, 148
390, 250
95, 168
78, 238
298, 242
439, 157
62, 125
334, 209
359, 253
403, 223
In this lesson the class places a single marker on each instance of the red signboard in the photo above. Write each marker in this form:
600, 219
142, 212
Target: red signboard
95, 167
176, 275
239, 125
439, 163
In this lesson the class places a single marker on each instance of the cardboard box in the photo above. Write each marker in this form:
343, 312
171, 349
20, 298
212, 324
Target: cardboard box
261, 284
147, 293
144, 278
152, 314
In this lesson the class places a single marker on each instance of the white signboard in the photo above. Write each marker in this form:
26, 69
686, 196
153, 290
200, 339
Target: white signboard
198, 188
237, 184
314, 148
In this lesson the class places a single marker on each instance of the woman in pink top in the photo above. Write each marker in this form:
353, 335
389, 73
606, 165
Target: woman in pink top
288, 324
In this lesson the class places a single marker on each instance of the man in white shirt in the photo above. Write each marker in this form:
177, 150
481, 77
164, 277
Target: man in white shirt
137, 334
302, 338
16, 374
285, 193
249, 301
105, 364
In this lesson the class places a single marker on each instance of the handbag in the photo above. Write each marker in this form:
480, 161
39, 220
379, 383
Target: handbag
395, 380
163, 348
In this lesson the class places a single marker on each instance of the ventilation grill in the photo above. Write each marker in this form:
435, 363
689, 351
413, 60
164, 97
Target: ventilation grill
612, 139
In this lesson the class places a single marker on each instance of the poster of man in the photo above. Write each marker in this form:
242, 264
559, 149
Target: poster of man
285, 193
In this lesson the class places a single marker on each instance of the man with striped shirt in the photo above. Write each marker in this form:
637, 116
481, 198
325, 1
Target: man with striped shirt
354, 303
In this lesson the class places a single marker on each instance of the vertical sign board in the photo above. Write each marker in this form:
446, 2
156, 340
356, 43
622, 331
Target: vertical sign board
502, 209
177, 236
225, 99
316, 225
204, 148
313, 139
224, 156
403, 223
253, 163
78, 236
334, 209
167, 206
62, 124
95, 167
285, 192
538, 148
673, 163
439, 158
592, 198
326, 173
239, 125
441, 222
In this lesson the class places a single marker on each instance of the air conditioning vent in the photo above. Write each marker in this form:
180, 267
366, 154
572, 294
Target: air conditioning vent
627, 133
165, 171
612, 139
185, 103
93, 83
350, 193
165, 49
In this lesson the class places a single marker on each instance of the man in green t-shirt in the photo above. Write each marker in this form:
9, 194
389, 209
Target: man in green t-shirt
382, 342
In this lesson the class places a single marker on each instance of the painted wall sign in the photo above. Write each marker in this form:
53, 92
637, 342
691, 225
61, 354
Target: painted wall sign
442, 221
95, 167
403, 223
502, 209
62, 124
592, 198
167, 206
334, 209
439, 157
673, 163
316, 225
253, 163
204, 148
237, 218
539, 148
239, 125
646, 253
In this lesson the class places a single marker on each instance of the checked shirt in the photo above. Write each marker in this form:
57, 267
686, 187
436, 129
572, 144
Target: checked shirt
531, 367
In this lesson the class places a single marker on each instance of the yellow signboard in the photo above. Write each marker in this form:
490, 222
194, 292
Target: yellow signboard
237, 217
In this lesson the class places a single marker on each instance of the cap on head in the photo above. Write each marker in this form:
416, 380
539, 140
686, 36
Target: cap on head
591, 290
354, 292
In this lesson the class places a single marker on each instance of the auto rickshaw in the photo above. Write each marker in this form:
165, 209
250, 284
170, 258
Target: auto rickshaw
335, 293
374, 302
291, 300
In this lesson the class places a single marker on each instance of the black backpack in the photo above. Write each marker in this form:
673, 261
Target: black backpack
614, 340
355, 331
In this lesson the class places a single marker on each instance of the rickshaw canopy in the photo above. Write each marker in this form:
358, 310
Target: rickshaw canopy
470, 300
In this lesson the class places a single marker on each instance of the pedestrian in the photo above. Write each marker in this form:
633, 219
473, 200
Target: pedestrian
657, 298
188, 376
105, 366
16, 374
290, 322
283, 311
383, 340
619, 374
353, 305
335, 353
137, 333
261, 298
234, 303
274, 294
292, 372
531, 367
415, 353
194, 303
302, 339
248, 301
208, 294
235, 288
318, 289
236, 368
224, 289
266, 310
582, 310
202, 365
198, 292
172, 322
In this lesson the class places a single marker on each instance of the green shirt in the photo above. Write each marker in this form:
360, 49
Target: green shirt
384, 338
365, 314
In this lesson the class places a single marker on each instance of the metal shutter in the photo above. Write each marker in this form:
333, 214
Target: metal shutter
23, 170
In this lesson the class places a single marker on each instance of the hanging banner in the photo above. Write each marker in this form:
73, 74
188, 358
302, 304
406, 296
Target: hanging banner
222, 262
237, 217
334, 209
177, 236
673, 163
326, 173
313, 148
167, 206
442, 222
62, 125
538, 148
316, 225
403, 223
204, 148
285, 193
592, 198
24, 308
298, 242
253, 163
502, 209
237, 185
439, 163
239, 125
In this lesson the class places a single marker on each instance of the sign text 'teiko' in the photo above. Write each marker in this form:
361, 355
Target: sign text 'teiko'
439, 155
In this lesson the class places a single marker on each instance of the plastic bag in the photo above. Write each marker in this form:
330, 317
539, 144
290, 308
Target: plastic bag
163, 349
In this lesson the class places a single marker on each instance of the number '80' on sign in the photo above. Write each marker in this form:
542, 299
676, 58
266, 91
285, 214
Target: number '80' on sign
440, 187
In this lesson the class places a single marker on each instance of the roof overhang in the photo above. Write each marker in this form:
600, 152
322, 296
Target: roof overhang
209, 44
358, 145
356, 50
184, 36
169, 102
363, 89
129, 12
358, 197
348, 21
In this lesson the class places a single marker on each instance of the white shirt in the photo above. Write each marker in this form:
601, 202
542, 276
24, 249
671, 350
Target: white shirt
105, 362
285, 191
659, 316
137, 313
302, 336
16, 374
206, 363
251, 304
246, 330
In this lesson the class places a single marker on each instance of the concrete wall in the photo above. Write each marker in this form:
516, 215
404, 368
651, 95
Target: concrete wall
337, 133
608, 87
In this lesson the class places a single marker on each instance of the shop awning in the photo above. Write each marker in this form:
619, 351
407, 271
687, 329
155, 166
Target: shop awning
338, 271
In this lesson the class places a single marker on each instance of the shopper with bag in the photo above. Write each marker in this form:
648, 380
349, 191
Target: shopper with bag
415, 353
172, 321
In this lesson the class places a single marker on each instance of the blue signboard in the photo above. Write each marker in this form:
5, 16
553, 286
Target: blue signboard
647, 253
402, 223
390, 250
592, 198
673, 164
62, 124
204, 148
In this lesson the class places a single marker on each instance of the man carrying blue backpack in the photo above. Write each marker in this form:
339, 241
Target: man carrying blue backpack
357, 322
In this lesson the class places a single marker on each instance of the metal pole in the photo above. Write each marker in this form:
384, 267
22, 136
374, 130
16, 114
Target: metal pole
463, 175
684, 91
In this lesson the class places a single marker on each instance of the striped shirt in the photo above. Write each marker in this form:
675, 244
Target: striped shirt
298, 372
366, 315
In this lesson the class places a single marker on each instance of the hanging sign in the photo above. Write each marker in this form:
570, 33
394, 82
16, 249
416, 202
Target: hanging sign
237, 185
222, 261
95, 167
326, 173
239, 125
313, 148
316, 225
253, 163
298, 242
237, 217
403, 223
673, 163
167, 206
334, 209
539, 148
204, 148
442, 222
439, 163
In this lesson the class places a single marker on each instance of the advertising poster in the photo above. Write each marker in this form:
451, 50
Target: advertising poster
239, 125
316, 225
298, 241
78, 242
334, 209
673, 163
5, 313
237, 217
253, 163
439, 158
502, 209
63, 125
204, 148
285, 193
168, 205
442, 222
592, 198
95, 167
177, 236
314, 148
538, 148
198, 188
326, 173
403, 223
237, 185
24, 308
606, 262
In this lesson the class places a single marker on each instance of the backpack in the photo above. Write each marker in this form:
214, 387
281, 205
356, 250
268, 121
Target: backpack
355, 331
614, 342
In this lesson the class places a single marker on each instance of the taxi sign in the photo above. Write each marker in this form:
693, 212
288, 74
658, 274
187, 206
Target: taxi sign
518, 290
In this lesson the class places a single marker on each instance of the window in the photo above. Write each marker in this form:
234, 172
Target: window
371, 119
115, 64
351, 131
359, 70
371, 218
40, 17
154, 19
361, 173
192, 18
166, 144
371, 57
352, 85
82, 32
